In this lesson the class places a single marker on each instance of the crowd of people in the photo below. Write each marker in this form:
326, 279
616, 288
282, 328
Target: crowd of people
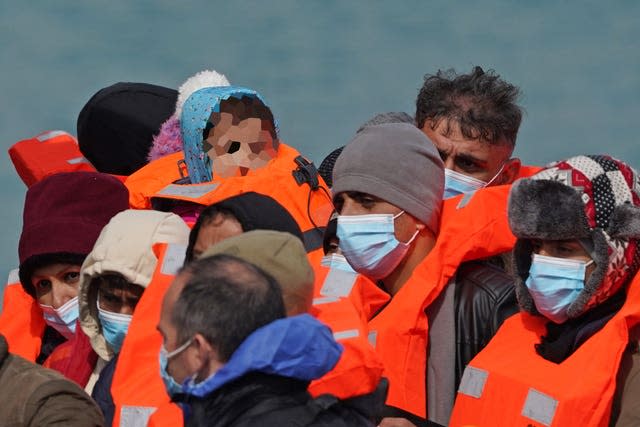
181, 265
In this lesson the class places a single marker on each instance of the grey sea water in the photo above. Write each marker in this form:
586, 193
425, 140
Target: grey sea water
324, 66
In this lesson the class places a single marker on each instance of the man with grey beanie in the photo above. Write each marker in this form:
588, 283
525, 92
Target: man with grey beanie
394, 229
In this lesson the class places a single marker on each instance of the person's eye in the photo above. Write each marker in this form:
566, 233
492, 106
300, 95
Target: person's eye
467, 165
72, 276
43, 285
565, 250
536, 246
110, 298
366, 202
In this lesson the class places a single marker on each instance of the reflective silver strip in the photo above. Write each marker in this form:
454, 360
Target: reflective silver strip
51, 134
14, 276
343, 335
324, 300
372, 337
473, 381
338, 283
77, 160
539, 407
135, 416
187, 190
465, 199
173, 258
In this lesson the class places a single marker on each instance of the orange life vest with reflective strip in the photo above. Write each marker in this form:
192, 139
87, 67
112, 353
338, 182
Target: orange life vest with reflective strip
137, 388
310, 208
359, 369
21, 320
509, 384
46, 154
472, 227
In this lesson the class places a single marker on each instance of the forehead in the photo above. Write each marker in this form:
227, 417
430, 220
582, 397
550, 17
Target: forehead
53, 269
447, 136
214, 232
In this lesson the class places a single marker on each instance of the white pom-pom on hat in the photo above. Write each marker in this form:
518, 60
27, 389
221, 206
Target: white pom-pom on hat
206, 78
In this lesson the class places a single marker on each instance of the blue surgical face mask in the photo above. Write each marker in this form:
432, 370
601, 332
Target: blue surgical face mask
554, 283
456, 183
171, 384
62, 319
337, 262
114, 327
369, 243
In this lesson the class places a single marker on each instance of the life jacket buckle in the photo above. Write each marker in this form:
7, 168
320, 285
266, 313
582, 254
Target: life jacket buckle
182, 169
306, 173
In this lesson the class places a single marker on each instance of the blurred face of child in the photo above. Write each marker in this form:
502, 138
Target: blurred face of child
236, 149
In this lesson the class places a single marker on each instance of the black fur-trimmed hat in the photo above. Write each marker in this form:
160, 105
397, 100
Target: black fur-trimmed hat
595, 199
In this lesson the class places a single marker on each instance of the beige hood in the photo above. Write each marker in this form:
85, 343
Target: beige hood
125, 247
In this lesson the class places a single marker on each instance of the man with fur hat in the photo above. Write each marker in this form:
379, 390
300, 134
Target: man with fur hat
394, 229
563, 360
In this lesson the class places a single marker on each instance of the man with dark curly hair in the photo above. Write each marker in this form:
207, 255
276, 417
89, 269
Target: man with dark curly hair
473, 121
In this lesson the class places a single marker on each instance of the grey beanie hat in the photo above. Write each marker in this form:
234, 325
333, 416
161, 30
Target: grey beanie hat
397, 163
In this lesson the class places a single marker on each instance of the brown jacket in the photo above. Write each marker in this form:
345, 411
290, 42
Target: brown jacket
630, 405
31, 395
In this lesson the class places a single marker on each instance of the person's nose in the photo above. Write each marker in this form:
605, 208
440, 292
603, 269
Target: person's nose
61, 293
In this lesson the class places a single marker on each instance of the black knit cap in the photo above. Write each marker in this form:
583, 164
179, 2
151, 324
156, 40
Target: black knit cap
253, 211
116, 126
326, 167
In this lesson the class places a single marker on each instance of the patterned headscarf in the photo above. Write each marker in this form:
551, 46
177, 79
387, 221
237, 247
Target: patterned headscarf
593, 199
195, 114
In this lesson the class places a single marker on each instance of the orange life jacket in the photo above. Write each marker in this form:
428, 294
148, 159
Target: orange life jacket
137, 388
472, 227
359, 369
21, 320
509, 384
282, 179
46, 154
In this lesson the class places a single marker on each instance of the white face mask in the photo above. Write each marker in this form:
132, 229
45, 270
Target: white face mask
456, 183
554, 283
369, 244
62, 319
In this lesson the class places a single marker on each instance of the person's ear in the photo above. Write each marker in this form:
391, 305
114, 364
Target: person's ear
202, 351
510, 171
205, 357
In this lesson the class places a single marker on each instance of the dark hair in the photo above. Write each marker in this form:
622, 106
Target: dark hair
111, 281
225, 299
481, 103
243, 108
206, 217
